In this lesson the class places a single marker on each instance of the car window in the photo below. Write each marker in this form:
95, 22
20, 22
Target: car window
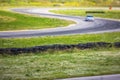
89, 16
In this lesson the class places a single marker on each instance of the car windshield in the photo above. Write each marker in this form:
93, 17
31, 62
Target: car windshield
89, 16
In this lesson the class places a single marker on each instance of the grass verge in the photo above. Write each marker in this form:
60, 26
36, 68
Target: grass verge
15, 21
72, 39
60, 64
115, 14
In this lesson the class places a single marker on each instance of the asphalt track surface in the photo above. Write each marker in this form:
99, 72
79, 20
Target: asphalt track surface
81, 26
102, 77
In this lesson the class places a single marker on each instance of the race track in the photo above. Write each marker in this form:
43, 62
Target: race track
81, 26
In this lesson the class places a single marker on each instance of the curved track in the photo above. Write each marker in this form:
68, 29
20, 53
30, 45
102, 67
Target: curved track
81, 26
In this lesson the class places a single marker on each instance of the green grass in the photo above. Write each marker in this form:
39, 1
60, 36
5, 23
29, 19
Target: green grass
15, 21
72, 39
60, 64
115, 14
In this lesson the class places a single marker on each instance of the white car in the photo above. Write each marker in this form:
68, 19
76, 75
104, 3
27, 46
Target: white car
89, 18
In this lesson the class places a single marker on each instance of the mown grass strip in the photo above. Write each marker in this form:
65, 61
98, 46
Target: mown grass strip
72, 39
115, 14
15, 21
60, 64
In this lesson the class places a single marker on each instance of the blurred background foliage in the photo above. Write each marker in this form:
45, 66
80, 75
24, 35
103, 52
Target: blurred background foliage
60, 3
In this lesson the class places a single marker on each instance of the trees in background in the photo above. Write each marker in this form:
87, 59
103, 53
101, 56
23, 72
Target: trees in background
66, 2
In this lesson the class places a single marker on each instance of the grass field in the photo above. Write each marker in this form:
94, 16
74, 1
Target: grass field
60, 64
15, 21
72, 39
115, 14
54, 64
